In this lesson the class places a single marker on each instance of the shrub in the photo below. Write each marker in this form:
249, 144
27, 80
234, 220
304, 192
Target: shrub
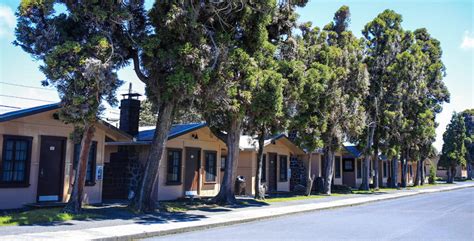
432, 176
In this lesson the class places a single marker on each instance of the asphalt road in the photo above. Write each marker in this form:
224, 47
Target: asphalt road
437, 216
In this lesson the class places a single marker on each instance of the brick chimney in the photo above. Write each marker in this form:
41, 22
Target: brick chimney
130, 112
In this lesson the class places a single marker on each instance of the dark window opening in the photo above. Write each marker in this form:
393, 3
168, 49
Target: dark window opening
359, 169
211, 166
223, 160
384, 169
348, 164
91, 162
283, 168
15, 164
338, 167
173, 175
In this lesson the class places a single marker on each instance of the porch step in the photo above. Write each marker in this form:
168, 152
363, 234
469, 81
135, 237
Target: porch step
45, 205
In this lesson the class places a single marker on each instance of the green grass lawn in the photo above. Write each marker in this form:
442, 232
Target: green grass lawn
292, 198
39, 216
429, 185
183, 206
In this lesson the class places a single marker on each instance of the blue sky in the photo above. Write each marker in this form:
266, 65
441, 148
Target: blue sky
450, 21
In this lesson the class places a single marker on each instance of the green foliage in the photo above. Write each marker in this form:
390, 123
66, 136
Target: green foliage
454, 138
148, 113
77, 51
432, 175
406, 88
468, 116
246, 69
331, 93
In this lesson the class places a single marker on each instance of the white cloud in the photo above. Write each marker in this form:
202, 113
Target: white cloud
468, 40
7, 21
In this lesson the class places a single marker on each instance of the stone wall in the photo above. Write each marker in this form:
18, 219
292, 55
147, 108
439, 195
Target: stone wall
298, 173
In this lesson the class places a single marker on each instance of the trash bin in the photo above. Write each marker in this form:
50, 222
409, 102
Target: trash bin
240, 185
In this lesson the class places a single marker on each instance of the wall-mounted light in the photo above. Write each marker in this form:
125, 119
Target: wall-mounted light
194, 136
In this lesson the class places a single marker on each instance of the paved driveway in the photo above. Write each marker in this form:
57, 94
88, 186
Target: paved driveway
436, 216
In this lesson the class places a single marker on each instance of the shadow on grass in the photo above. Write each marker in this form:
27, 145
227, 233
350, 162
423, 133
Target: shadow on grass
54, 216
206, 205
369, 192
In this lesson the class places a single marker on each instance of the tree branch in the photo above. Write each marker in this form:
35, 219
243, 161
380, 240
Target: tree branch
136, 67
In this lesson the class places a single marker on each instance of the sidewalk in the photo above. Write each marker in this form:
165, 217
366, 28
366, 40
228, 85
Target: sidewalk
199, 219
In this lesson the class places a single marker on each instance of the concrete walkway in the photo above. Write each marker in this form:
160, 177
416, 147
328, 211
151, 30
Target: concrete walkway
148, 229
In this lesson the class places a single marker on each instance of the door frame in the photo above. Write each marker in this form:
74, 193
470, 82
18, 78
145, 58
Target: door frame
198, 166
62, 165
275, 173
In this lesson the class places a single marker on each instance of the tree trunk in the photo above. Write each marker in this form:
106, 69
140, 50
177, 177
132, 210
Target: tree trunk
74, 204
259, 191
376, 163
422, 172
404, 173
226, 193
329, 169
365, 173
366, 164
145, 200
309, 184
451, 173
394, 183
417, 181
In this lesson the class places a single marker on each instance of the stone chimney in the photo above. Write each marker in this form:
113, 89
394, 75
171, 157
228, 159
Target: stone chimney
130, 112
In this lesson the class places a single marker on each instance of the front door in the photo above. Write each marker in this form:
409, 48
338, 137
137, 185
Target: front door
50, 177
191, 179
348, 172
272, 172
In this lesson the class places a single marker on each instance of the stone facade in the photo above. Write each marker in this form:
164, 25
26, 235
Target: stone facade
298, 173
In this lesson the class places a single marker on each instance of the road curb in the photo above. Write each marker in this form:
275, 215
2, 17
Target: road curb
248, 220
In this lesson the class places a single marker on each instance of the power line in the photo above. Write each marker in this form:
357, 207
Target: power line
26, 86
42, 88
24, 98
9, 106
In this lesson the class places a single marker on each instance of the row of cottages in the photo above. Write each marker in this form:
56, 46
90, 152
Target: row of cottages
348, 165
37, 160
37, 157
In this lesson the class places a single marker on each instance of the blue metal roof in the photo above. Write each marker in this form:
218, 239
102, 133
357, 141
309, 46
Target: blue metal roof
353, 151
175, 131
27, 112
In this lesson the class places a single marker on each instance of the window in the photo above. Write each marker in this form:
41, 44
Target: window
384, 169
348, 164
283, 168
15, 167
410, 169
173, 175
338, 167
211, 166
223, 160
359, 169
91, 162
264, 168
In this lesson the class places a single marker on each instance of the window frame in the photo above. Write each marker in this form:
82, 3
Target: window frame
94, 145
284, 177
16, 184
206, 166
168, 166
